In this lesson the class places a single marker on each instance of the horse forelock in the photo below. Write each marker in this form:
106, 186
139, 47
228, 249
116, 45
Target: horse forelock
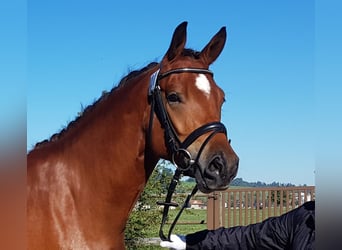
84, 111
191, 53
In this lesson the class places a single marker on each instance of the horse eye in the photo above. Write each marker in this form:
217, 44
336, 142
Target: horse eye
173, 98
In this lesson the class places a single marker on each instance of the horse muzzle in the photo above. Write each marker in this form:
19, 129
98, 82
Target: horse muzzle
216, 174
214, 164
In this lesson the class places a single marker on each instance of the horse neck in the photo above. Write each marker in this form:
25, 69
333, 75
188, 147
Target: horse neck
103, 157
114, 134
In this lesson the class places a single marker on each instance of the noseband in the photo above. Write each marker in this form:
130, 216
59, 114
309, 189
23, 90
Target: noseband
180, 155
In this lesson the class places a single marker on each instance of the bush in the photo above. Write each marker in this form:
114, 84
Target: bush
145, 216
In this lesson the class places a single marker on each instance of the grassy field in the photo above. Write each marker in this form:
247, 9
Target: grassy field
188, 222
182, 227
194, 216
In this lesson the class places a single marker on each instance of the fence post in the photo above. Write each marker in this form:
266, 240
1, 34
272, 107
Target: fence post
213, 211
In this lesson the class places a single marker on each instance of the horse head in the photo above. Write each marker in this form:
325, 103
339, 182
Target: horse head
188, 106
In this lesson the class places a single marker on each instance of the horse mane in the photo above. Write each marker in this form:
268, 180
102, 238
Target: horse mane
89, 108
55, 137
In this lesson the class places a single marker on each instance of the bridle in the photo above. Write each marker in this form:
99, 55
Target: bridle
177, 149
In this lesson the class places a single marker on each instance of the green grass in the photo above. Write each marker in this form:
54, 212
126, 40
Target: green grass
188, 215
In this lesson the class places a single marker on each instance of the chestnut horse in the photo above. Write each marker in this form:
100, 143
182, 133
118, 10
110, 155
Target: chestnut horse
83, 182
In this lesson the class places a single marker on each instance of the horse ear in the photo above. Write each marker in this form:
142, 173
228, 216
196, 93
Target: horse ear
177, 42
214, 48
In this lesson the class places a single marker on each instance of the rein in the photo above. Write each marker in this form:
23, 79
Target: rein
180, 156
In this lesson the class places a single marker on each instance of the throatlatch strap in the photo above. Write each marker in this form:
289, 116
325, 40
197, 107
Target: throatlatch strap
167, 204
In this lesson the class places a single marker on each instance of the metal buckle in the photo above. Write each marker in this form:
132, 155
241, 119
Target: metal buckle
181, 152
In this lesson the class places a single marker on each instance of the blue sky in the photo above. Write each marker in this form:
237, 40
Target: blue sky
77, 49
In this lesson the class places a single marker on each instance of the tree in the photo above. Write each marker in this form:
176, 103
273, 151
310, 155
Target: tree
145, 216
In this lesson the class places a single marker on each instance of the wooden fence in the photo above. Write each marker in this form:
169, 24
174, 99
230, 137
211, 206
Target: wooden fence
243, 206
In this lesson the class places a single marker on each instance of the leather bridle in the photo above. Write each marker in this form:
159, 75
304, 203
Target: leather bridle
177, 149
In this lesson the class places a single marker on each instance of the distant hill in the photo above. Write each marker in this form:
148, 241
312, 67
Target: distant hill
239, 182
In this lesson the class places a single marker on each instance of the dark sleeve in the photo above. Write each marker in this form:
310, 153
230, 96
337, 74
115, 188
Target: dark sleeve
274, 233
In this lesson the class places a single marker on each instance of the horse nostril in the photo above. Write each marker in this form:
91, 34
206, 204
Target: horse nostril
216, 165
